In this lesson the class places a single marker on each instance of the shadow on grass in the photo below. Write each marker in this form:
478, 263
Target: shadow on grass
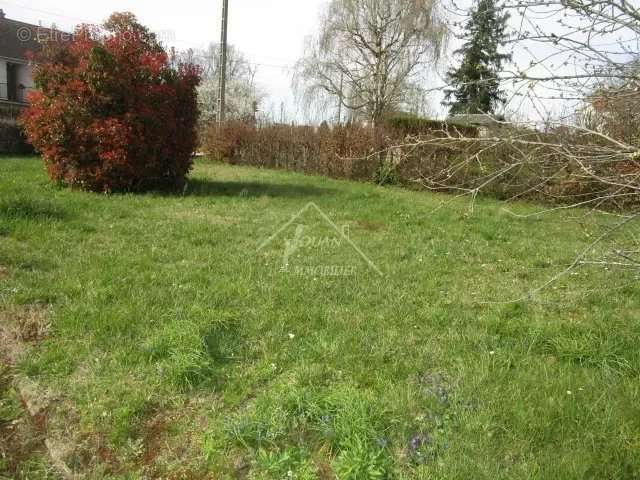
30, 209
206, 188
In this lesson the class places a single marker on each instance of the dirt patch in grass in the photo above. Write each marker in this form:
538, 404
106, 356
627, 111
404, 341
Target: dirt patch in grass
20, 439
4, 272
153, 436
92, 452
19, 327
25, 437
165, 450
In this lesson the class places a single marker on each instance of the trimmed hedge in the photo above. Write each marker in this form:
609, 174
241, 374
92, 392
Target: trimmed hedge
13, 140
391, 156
413, 125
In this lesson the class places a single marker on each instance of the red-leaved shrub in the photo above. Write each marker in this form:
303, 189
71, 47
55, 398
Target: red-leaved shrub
112, 112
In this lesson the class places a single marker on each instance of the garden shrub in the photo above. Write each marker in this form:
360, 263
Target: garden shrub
386, 172
112, 111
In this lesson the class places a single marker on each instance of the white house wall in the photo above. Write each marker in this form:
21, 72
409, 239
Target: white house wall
3, 79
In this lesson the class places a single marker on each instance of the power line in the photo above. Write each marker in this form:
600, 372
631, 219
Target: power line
47, 12
76, 19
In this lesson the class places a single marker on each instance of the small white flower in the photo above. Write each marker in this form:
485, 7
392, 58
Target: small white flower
569, 392
292, 336
492, 352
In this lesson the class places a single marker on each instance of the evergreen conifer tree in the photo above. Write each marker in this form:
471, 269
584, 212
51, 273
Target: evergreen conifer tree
474, 86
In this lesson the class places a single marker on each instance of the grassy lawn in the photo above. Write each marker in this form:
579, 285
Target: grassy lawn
170, 341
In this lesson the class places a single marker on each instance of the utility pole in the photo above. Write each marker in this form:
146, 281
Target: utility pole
340, 98
223, 62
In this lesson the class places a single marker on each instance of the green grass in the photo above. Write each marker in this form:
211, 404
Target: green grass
176, 347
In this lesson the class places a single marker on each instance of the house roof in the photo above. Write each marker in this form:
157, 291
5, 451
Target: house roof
475, 119
19, 38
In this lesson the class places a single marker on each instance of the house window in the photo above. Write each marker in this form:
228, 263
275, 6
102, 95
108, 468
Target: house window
3, 81
12, 84
12, 88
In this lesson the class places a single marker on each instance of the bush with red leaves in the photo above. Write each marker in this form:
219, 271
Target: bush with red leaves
112, 112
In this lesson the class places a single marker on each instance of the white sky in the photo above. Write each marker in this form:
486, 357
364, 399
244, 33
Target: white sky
270, 33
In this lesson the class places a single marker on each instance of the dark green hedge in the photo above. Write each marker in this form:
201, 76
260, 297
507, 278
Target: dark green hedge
12, 140
414, 125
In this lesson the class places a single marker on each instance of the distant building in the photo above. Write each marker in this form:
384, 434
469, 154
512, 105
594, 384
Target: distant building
485, 123
16, 75
17, 39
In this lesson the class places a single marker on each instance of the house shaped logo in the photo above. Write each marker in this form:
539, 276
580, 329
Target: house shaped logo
311, 244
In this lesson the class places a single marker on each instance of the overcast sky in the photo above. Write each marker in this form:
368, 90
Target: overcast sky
271, 33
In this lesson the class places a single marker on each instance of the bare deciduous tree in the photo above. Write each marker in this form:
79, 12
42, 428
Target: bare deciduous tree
369, 53
242, 91
583, 56
614, 109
